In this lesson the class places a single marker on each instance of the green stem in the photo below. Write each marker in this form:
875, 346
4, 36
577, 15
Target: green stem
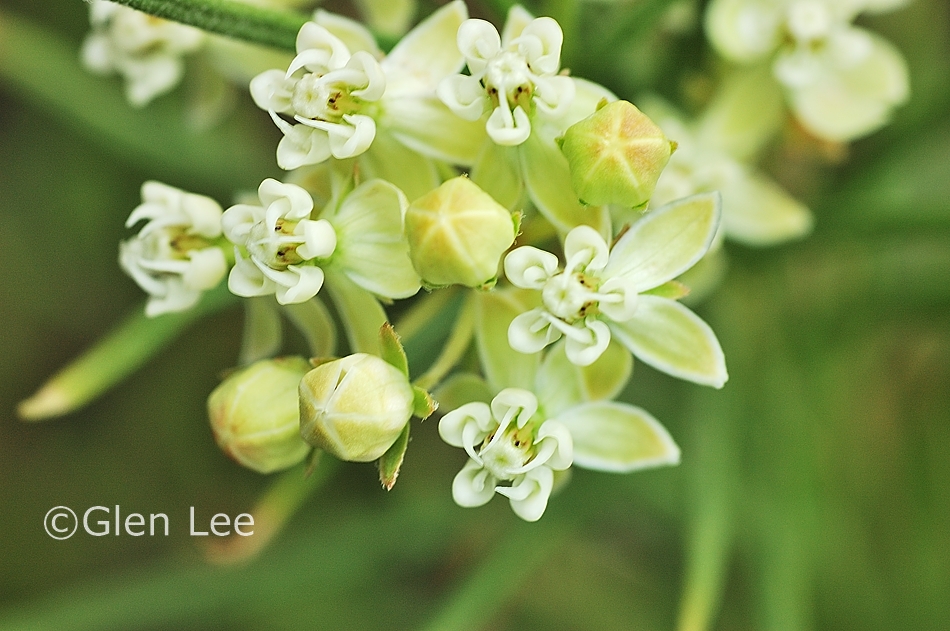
226, 17
279, 503
418, 317
454, 348
114, 358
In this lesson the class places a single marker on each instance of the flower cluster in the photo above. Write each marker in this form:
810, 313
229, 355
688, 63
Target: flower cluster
566, 221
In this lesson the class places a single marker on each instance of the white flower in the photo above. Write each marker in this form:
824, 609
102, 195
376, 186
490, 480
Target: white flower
344, 95
842, 81
282, 244
514, 77
147, 51
512, 451
602, 291
175, 256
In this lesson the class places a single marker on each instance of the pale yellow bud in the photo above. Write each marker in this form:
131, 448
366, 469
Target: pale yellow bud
255, 416
457, 234
616, 155
355, 407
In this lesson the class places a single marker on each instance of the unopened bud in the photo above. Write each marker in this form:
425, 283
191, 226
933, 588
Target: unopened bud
616, 155
355, 407
457, 234
255, 415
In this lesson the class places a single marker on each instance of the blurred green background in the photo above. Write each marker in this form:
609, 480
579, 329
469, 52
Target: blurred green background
814, 491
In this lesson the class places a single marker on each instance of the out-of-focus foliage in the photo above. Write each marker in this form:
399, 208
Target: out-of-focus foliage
814, 489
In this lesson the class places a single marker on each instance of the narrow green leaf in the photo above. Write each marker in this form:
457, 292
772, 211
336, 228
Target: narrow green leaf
390, 462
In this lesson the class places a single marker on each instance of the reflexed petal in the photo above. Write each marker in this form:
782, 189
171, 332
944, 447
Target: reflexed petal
461, 388
97, 53
529, 495
452, 426
617, 437
666, 242
426, 125
562, 384
151, 77
473, 485
238, 220
503, 366
528, 267
516, 21
744, 30
547, 177
375, 80
354, 35
478, 42
373, 251
553, 96
176, 298
757, 211
853, 99
312, 36
347, 141
295, 202
428, 53
585, 352
671, 338
624, 288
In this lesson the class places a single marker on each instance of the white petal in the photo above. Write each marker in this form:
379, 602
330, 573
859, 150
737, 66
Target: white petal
585, 250
151, 77
618, 437
516, 21
540, 43
271, 90
206, 269
375, 79
312, 36
530, 332
347, 141
671, 338
584, 350
557, 432
464, 95
473, 485
354, 35
294, 202
508, 128
529, 495
478, 42
302, 145
452, 426
247, 280
554, 96
307, 281
744, 30
319, 239
528, 267
623, 288
238, 220
521, 403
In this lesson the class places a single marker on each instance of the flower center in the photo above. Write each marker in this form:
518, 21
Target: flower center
569, 296
276, 248
318, 99
508, 74
504, 455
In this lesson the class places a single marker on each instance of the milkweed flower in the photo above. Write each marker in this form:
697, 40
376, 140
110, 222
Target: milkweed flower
176, 256
341, 94
512, 451
842, 81
147, 51
602, 291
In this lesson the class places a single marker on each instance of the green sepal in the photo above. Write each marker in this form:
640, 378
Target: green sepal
391, 348
674, 290
390, 462
423, 405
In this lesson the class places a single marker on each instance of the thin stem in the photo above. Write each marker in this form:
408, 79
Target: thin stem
428, 307
279, 503
454, 348
226, 17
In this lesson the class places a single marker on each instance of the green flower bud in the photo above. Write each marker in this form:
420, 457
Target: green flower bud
457, 234
616, 155
355, 407
255, 415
